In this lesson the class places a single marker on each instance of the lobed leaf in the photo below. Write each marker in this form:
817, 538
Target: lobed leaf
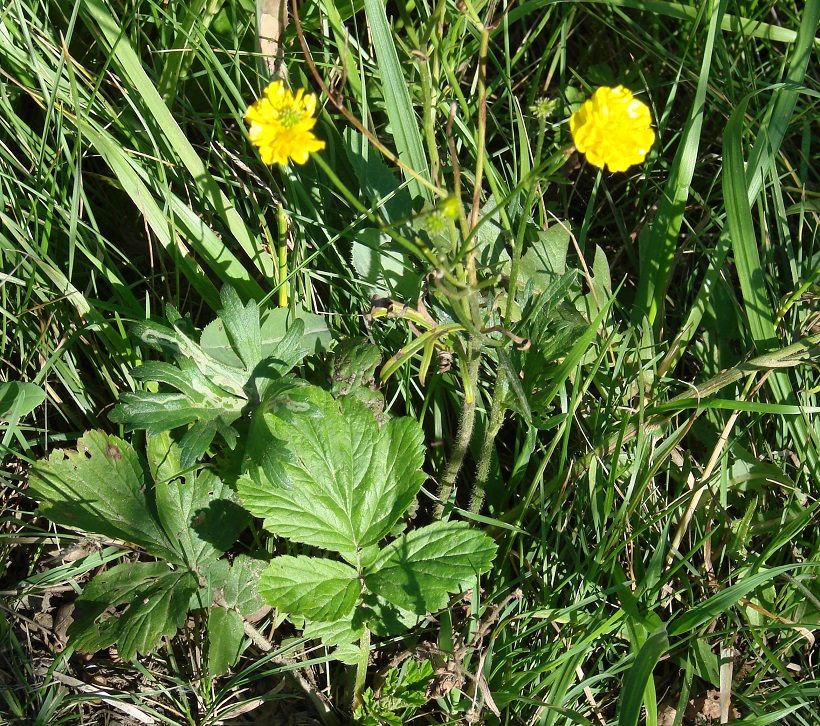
155, 600
314, 588
342, 482
102, 487
197, 510
419, 569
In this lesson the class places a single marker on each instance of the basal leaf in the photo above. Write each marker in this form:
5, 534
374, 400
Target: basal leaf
315, 588
133, 605
242, 326
102, 487
198, 401
342, 482
226, 634
229, 378
275, 324
419, 569
196, 509
195, 442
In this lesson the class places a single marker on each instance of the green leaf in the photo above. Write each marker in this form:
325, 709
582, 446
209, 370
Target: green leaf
103, 487
386, 271
397, 97
133, 605
19, 399
342, 481
274, 326
386, 618
546, 259
226, 634
637, 680
237, 583
230, 379
237, 362
242, 327
376, 180
720, 603
315, 588
419, 569
343, 635
196, 510
232, 587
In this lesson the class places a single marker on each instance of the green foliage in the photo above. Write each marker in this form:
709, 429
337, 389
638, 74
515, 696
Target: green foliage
403, 689
621, 368
343, 484
218, 378
187, 519
19, 399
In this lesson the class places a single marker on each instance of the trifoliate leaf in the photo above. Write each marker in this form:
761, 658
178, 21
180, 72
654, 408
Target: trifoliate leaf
419, 569
133, 605
317, 589
342, 481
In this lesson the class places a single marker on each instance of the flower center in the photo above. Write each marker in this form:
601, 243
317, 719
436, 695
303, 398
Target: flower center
290, 117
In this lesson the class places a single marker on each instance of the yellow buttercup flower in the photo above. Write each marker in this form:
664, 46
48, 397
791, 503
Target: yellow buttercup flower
613, 128
281, 125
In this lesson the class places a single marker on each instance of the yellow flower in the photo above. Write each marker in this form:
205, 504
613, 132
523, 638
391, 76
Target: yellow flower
281, 125
613, 128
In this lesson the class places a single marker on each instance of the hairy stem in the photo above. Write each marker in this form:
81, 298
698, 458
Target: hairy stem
496, 419
361, 668
465, 428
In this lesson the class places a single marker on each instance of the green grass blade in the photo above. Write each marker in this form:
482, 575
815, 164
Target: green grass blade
658, 248
638, 679
720, 603
783, 101
131, 67
729, 23
157, 219
400, 111
741, 229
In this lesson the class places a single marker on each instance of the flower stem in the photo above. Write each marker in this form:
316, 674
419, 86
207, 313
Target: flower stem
496, 419
421, 253
282, 225
469, 364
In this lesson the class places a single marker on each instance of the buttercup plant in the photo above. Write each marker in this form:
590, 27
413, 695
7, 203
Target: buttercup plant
321, 472
456, 414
